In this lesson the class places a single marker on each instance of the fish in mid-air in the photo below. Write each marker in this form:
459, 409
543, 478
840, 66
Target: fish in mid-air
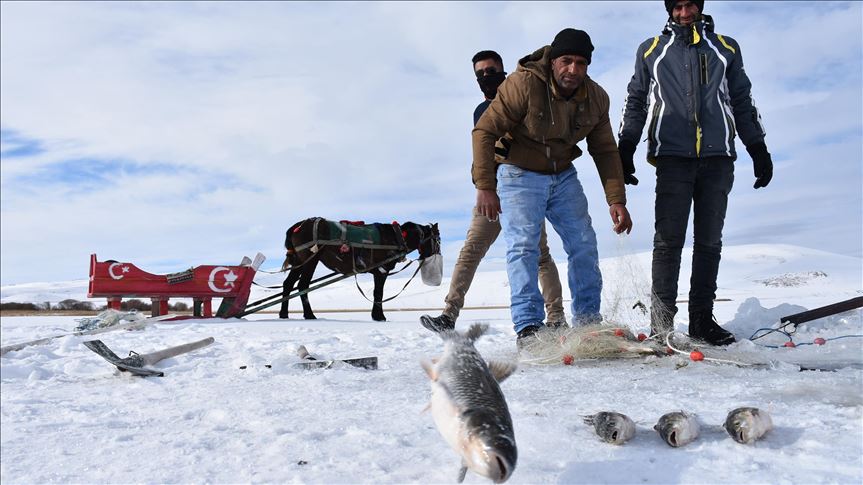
746, 425
469, 408
614, 428
678, 428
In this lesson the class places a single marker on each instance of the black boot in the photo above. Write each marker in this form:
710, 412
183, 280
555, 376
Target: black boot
526, 336
703, 326
438, 324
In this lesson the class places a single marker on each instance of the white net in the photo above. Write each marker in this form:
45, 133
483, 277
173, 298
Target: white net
108, 318
626, 311
566, 345
626, 288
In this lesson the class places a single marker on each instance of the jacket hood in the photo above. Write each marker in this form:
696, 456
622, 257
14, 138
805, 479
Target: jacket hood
537, 63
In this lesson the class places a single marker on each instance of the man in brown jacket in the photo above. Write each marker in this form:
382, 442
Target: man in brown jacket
542, 111
483, 232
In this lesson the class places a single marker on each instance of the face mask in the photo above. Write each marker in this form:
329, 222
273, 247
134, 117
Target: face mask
432, 270
489, 83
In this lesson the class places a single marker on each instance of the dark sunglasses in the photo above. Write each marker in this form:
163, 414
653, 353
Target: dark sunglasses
486, 72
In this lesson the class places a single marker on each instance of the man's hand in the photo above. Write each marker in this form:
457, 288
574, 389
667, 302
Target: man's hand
761, 163
620, 218
488, 204
627, 150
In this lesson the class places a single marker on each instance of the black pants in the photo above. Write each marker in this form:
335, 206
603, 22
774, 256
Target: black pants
680, 183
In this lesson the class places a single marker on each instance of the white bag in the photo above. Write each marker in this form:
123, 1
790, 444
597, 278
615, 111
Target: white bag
432, 270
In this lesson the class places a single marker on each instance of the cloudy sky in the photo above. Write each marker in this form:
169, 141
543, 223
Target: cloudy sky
174, 134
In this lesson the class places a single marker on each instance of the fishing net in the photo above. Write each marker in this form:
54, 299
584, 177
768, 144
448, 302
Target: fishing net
108, 318
626, 311
604, 341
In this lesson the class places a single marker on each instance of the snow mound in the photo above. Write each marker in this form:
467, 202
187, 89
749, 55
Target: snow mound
788, 280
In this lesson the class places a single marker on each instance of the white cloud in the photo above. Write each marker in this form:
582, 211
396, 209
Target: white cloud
270, 112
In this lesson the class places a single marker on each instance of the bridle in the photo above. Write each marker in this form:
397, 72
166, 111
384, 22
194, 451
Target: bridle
428, 238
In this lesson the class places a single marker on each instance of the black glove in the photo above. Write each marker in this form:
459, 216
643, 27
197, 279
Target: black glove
627, 150
761, 163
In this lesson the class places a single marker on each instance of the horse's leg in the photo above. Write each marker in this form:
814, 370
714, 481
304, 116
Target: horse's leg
305, 280
378, 306
287, 288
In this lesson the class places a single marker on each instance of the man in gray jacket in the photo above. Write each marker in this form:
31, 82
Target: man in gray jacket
691, 83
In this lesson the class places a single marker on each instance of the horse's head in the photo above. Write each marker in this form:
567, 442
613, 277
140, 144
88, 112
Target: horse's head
424, 238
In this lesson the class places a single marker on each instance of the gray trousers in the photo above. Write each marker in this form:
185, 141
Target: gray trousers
480, 236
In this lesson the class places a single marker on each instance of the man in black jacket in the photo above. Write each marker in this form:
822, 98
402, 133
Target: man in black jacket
691, 82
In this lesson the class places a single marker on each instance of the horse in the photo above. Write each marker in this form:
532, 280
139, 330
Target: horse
351, 248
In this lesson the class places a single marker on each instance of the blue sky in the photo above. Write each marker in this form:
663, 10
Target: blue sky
176, 134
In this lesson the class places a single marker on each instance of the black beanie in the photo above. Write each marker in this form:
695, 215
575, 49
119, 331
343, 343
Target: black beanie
571, 41
669, 5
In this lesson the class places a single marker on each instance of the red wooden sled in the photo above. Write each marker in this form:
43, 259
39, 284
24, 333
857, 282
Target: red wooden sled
115, 280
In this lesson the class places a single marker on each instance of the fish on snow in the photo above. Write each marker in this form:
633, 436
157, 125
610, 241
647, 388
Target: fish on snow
469, 408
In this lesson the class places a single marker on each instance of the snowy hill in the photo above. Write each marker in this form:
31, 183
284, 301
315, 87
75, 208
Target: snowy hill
69, 417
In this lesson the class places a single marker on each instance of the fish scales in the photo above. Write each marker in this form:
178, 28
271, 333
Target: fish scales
469, 408
467, 378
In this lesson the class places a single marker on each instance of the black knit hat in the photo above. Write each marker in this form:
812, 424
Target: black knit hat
571, 41
669, 5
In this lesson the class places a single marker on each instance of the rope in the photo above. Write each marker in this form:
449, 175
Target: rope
272, 272
356, 281
791, 340
789, 335
712, 359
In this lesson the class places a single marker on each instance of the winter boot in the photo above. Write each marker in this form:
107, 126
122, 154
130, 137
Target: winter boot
703, 326
526, 336
438, 324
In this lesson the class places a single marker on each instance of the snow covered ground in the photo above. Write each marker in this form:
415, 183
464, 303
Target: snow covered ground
69, 417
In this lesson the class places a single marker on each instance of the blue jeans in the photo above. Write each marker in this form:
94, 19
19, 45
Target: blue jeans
681, 183
526, 198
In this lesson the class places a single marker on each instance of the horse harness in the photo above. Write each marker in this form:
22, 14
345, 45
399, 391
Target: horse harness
361, 237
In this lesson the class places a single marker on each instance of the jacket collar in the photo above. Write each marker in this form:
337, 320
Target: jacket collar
691, 34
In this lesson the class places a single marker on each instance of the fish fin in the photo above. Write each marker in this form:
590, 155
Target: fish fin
461, 473
589, 419
430, 369
501, 370
476, 331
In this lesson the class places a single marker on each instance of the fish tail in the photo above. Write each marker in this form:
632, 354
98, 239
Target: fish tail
476, 331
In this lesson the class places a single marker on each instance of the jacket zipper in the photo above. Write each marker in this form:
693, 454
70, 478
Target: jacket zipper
651, 130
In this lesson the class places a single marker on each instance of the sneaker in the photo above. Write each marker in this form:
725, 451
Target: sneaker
438, 324
526, 336
703, 326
